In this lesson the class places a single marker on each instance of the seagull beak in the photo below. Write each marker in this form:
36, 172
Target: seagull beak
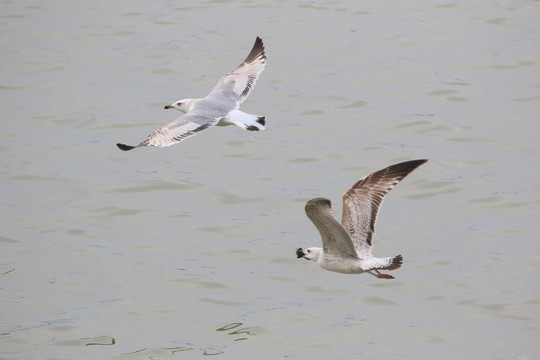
168, 107
299, 253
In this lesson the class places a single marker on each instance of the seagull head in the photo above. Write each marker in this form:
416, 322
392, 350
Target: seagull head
183, 105
311, 253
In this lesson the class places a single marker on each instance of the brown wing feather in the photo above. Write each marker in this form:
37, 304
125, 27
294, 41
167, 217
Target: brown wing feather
362, 201
334, 238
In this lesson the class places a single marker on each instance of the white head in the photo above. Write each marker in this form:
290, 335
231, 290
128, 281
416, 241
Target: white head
183, 105
311, 253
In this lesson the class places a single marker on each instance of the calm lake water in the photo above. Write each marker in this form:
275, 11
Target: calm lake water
189, 251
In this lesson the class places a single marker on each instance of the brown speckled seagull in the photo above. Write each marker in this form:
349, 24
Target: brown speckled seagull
347, 246
220, 107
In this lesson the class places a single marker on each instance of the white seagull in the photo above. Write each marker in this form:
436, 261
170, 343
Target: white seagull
347, 246
220, 107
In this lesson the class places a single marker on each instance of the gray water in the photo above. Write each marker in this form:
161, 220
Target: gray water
189, 250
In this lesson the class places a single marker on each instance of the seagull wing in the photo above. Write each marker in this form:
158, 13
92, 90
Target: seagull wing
183, 127
335, 239
362, 201
235, 87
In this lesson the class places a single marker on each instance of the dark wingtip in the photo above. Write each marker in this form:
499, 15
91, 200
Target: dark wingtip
411, 165
419, 162
401, 170
258, 49
125, 147
262, 120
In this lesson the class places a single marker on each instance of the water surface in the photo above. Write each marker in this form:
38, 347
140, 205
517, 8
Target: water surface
188, 251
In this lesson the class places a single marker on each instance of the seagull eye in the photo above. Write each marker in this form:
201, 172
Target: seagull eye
178, 103
309, 251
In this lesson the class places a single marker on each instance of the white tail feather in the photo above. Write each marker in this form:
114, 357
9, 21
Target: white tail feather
244, 120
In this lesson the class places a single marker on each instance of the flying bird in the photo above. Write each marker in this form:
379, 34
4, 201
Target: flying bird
347, 246
220, 107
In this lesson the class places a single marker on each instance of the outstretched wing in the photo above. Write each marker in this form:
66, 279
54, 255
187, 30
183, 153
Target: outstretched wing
235, 87
183, 127
362, 201
335, 239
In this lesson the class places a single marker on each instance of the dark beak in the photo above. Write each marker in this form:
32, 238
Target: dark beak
299, 253
167, 107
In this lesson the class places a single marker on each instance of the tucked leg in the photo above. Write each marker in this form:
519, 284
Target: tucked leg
380, 275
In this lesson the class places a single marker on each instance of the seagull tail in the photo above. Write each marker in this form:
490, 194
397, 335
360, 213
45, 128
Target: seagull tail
258, 125
247, 121
394, 262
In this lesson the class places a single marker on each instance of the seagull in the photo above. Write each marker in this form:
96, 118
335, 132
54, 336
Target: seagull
220, 107
347, 246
